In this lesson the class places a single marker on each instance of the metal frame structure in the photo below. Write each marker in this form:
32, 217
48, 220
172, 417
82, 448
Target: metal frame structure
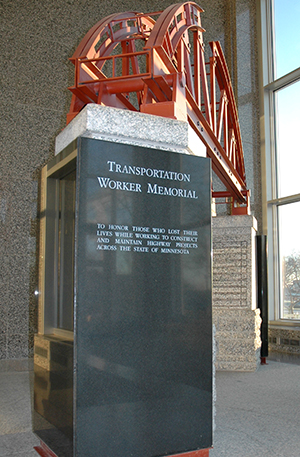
155, 63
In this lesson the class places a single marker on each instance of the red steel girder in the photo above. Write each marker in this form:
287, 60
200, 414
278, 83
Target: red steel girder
130, 61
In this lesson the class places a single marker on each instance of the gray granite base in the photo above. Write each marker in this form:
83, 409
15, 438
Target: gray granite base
129, 127
235, 316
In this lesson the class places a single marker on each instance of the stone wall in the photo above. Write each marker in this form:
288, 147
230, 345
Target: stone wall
235, 316
38, 40
284, 340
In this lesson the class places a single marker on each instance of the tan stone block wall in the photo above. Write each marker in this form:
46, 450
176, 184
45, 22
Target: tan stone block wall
237, 339
235, 316
284, 340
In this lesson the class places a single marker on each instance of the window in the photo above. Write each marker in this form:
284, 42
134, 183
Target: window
281, 75
289, 260
286, 34
287, 139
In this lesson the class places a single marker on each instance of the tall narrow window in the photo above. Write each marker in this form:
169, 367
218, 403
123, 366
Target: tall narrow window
288, 192
281, 67
289, 255
287, 139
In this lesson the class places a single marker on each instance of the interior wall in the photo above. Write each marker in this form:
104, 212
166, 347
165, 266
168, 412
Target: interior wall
39, 37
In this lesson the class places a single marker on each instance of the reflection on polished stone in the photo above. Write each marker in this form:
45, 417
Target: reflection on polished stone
53, 394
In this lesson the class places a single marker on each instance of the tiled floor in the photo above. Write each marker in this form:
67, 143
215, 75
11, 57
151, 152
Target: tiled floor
16, 437
258, 414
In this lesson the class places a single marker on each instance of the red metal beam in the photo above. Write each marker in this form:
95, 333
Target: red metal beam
174, 81
44, 451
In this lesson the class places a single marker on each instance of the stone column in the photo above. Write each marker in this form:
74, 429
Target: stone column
235, 315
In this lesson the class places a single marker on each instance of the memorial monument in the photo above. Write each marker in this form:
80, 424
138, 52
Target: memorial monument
123, 357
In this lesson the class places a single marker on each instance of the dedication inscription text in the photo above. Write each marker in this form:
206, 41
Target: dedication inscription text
112, 237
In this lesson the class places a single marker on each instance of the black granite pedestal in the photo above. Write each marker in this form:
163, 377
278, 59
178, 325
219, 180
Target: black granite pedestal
140, 379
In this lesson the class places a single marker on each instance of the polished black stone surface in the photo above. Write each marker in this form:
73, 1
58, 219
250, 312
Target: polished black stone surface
142, 306
53, 396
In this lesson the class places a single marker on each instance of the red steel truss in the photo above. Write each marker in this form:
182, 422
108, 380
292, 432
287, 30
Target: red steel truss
155, 63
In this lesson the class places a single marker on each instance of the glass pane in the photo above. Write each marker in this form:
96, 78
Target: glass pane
66, 251
287, 36
289, 248
287, 144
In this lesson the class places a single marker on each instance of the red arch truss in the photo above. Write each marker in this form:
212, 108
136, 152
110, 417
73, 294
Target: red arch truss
155, 63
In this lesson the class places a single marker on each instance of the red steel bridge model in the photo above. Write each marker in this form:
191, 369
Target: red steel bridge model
155, 63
